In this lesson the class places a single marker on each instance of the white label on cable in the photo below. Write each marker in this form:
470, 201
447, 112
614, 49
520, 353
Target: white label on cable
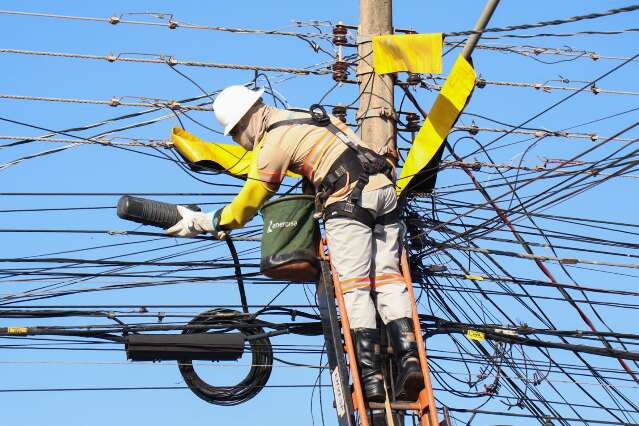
340, 404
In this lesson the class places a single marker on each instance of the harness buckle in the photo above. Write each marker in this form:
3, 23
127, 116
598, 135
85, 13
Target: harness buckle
319, 115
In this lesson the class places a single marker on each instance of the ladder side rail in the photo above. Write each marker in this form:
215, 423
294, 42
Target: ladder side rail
426, 397
358, 395
331, 327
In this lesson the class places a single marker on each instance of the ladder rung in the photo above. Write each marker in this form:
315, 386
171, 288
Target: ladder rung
398, 405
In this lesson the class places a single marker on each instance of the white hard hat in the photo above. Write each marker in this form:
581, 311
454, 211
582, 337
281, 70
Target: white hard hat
232, 103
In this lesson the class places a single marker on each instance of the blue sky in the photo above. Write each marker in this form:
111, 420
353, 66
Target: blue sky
99, 169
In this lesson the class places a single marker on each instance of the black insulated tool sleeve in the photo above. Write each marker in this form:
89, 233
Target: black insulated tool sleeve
150, 212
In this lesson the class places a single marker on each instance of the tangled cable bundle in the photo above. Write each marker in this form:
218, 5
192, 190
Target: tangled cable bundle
261, 365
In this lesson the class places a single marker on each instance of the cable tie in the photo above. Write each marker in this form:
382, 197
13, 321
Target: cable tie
172, 24
594, 137
114, 20
174, 105
114, 102
111, 58
594, 89
505, 332
172, 61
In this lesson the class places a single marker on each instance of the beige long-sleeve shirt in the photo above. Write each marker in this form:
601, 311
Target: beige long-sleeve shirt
304, 149
307, 150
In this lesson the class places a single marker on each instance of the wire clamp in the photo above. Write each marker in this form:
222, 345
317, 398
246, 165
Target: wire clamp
412, 122
339, 111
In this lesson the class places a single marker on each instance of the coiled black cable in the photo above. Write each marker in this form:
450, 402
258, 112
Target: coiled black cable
261, 365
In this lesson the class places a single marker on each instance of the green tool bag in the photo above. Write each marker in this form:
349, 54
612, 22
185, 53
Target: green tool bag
290, 239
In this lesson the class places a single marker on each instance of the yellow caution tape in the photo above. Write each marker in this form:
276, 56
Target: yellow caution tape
225, 157
475, 277
229, 158
418, 53
447, 107
475, 335
17, 330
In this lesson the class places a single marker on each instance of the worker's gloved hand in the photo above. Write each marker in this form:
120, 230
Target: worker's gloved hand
196, 223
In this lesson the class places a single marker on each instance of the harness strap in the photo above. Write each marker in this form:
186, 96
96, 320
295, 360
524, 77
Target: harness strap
291, 121
389, 218
345, 209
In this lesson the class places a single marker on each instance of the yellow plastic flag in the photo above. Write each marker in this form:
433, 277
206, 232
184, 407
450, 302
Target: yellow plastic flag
229, 158
475, 335
418, 53
441, 118
474, 277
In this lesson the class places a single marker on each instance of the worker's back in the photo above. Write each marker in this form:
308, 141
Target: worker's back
307, 149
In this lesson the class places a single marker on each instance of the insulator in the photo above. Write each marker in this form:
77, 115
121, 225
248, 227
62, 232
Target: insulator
339, 35
413, 79
339, 111
340, 71
412, 122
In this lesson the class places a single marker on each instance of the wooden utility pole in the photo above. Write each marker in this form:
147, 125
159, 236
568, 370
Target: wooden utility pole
376, 112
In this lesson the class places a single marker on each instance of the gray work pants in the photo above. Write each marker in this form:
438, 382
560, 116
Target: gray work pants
367, 263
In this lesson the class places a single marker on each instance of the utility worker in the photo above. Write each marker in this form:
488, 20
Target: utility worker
359, 205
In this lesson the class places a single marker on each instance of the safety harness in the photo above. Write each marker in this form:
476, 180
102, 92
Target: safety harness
355, 164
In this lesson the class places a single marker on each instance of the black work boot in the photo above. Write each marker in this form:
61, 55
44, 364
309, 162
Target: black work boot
410, 380
369, 358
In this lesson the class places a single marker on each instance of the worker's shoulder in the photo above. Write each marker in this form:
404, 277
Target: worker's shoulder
294, 131
278, 115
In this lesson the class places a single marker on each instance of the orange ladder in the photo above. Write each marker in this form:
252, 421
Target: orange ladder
424, 407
